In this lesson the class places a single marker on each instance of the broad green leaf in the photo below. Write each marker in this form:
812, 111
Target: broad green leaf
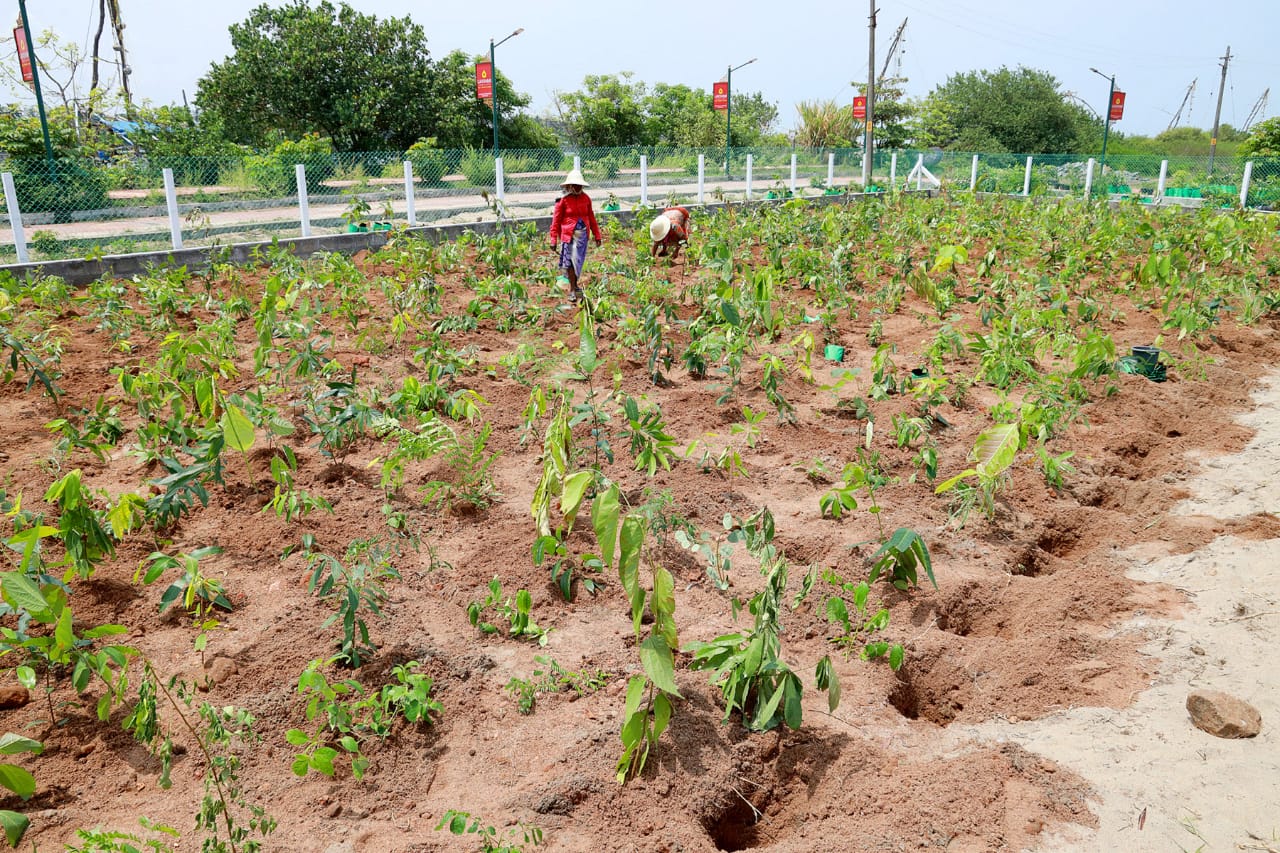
663, 604
995, 449
26, 677
63, 634
895, 657
833, 690
635, 693
15, 824
12, 744
18, 780
661, 714
791, 710
22, 592
300, 766
765, 712
575, 489
655, 657
631, 543
605, 511
237, 429
297, 737
458, 825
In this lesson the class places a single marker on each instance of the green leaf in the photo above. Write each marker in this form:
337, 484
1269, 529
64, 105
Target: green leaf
631, 542
18, 780
896, 655
661, 714
833, 691
663, 604
12, 744
300, 766
26, 677
791, 711
656, 658
297, 737
605, 511
575, 489
15, 825
947, 485
995, 449
635, 693
237, 429
22, 592
63, 634
458, 825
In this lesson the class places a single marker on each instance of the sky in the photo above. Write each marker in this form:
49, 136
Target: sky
803, 50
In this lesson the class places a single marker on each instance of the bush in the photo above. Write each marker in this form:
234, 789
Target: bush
274, 173
71, 186
428, 162
478, 166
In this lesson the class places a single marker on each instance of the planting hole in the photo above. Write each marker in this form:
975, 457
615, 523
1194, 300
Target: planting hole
737, 827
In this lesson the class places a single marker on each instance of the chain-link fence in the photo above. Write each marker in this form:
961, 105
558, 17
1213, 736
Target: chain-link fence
83, 208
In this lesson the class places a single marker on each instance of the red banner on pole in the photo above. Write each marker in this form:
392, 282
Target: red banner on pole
1117, 106
484, 81
24, 54
720, 95
860, 107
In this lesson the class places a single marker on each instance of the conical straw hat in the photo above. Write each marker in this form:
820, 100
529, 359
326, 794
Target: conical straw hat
574, 178
659, 228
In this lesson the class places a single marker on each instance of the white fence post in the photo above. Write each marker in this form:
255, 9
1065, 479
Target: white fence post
1244, 184
499, 180
702, 175
973, 174
15, 218
644, 181
919, 170
410, 212
831, 169
1026, 180
1164, 171
171, 202
1088, 179
304, 207
748, 177
577, 162
893, 172
793, 173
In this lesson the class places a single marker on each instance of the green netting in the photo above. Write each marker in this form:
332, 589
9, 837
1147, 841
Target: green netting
74, 208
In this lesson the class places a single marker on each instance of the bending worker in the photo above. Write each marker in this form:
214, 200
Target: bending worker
669, 231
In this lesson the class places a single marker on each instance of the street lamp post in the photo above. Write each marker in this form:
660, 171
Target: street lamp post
493, 65
1106, 127
728, 111
35, 80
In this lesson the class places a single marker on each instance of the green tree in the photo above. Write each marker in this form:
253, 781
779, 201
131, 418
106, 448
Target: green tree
1264, 140
465, 121
681, 116
608, 112
367, 84
753, 119
893, 112
1020, 111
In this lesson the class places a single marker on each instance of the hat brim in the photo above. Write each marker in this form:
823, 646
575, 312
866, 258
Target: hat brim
659, 228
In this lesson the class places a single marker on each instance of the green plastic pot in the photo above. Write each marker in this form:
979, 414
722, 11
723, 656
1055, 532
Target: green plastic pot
833, 352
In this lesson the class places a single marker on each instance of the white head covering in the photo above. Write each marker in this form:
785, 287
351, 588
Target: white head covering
659, 228
574, 178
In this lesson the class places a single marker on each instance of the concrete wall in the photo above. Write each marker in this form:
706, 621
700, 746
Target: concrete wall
78, 271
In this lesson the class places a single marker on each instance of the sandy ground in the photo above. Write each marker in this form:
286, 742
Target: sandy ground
1198, 792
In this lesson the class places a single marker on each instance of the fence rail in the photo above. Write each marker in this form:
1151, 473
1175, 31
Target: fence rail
76, 208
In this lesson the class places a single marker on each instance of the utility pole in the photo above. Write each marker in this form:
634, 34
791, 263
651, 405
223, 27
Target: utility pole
868, 164
117, 27
1217, 113
1106, 127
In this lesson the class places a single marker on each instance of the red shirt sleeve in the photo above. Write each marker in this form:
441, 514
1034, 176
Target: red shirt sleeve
556, 219
591, 219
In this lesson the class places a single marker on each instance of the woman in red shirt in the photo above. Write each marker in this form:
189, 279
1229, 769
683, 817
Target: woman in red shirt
668, 231
573, 216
